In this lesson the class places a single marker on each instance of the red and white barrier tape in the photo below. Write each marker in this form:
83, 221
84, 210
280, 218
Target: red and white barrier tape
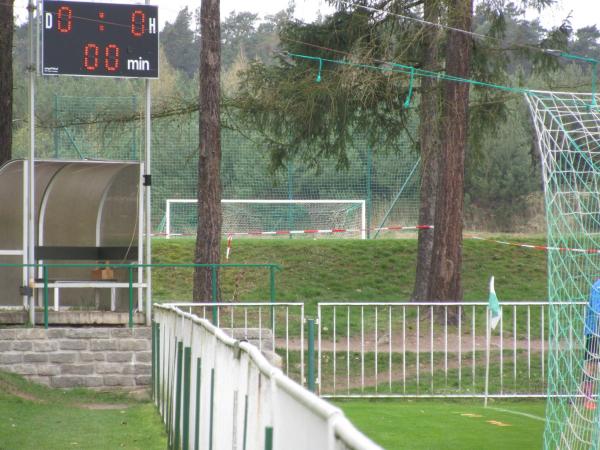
398, 228
289, 232
537, 247
330, 231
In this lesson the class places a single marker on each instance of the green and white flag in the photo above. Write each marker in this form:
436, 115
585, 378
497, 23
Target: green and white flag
493, 306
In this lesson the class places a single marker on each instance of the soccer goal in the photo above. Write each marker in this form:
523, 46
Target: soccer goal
568, 137
260, 217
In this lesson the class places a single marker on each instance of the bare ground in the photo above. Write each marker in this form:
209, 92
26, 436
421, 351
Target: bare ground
423, 343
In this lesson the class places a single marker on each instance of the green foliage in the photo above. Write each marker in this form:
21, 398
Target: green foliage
243, 35
501, 174
180, 44
313, 110
323, 125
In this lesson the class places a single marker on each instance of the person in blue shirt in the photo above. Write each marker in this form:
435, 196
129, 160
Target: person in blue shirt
592, 345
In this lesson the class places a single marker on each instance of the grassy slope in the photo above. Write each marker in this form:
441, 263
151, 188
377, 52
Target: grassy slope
321, 270
36, 417
423, 424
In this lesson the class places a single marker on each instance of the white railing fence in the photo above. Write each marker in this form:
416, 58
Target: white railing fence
215, 392
381, 349
275, 328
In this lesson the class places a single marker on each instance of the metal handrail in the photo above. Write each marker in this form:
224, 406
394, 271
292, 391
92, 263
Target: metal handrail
273, 268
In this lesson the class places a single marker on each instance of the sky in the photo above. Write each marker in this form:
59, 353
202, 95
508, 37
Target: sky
584, 12
306, 10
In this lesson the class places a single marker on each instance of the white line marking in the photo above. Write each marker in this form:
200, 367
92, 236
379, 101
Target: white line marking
518, 413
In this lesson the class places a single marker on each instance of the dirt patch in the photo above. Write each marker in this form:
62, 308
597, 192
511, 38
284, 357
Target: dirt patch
101, 406
422, 344
397, 375
11, 389
16, 392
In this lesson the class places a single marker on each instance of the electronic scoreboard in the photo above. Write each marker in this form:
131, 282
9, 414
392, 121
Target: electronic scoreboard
99, 39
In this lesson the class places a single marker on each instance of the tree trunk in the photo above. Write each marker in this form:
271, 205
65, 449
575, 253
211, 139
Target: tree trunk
208, 241
6, 80
429, 143
445, 283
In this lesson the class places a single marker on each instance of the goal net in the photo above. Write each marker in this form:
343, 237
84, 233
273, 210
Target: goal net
568, 136
256, 218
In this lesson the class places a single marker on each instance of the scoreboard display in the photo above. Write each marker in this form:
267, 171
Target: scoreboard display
99, 39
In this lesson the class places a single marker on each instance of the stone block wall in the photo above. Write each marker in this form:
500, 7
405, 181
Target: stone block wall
79, 357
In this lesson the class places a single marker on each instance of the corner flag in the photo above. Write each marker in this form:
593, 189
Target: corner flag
493, 306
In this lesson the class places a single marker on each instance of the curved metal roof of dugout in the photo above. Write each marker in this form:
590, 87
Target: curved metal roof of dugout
84, 210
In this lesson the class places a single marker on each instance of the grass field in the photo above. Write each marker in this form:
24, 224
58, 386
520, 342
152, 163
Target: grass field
313, 271
326, 270
438, 425
33, 417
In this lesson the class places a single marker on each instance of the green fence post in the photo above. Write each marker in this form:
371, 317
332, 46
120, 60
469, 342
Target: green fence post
198, 398
45, 296
130, 297
212, 406
290, 197
157, 369
268, 438
169, 389
177, 402
272, 287
187, 373
311, 355
213, 280
245, 422
272, 282
369, 183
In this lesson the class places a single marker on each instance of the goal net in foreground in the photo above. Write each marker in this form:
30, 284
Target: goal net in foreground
334, 218
568, 135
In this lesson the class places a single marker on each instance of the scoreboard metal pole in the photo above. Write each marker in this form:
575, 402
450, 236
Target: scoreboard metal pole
109, 40
31, 172
148, 183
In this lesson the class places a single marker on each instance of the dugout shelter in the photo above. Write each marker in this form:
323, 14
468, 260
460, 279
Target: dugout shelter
85, 212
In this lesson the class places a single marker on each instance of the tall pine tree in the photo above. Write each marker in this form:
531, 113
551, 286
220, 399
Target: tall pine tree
326, 119
208, 241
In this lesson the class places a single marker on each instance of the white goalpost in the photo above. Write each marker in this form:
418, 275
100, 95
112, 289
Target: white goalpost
262, 217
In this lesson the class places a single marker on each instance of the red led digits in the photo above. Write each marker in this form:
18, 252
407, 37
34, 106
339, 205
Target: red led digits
65, 19
111, 57
90, 57
101, 24
138, 23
